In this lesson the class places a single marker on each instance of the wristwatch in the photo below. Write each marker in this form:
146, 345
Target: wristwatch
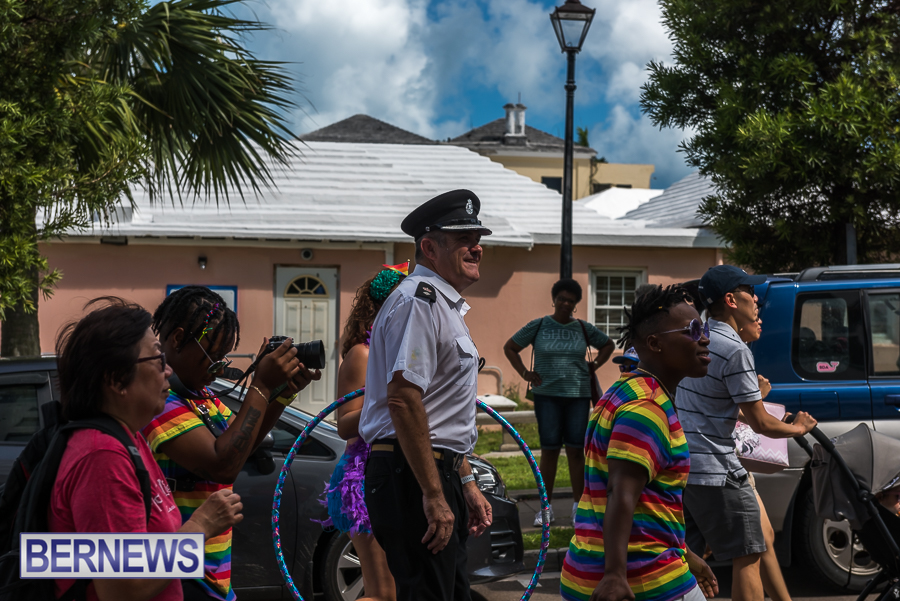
467, 479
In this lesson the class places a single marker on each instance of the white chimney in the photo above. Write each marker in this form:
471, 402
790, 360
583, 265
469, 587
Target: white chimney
520, 119
510, 119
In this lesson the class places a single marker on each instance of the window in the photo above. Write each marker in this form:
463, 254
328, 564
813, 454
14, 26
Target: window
884, 321
613, 291
827, 336
305, 285
554, 183
19, 418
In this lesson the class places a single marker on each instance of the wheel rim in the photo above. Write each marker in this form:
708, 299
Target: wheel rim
349, 574
845, 550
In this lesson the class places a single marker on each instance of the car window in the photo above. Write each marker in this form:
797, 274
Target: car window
827, 336
884, 324
285, 435
19, 415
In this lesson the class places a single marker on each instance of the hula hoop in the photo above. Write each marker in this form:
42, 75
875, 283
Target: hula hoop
545, 504
285, 469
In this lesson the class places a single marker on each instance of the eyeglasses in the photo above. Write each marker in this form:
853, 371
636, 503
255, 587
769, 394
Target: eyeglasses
627, 367
695, 329
161, 357
214, 366
745, 288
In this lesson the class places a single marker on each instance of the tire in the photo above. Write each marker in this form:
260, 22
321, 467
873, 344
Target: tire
828, 548
341, 573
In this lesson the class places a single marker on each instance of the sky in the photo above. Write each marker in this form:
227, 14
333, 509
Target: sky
440, 68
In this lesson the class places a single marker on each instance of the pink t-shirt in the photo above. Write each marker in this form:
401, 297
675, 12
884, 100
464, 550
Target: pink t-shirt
97, 490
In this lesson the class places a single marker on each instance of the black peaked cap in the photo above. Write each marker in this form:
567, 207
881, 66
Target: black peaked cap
456, 210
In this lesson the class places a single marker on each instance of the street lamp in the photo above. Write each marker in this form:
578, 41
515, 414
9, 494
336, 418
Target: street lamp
571, 22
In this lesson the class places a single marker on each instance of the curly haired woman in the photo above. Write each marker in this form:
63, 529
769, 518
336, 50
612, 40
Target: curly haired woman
346, 507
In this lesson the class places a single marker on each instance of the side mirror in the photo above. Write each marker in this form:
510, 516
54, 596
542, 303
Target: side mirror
268, 443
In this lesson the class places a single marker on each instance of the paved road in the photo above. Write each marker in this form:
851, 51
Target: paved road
801, 587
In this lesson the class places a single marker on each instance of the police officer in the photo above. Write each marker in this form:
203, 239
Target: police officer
419, 412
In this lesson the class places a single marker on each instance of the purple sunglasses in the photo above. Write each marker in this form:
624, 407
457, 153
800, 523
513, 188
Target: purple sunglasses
695, 329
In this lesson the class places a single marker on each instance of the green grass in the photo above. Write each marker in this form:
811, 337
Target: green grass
517, 474
490, 441
559, 537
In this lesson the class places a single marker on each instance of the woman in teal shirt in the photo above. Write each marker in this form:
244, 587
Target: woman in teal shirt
561, 381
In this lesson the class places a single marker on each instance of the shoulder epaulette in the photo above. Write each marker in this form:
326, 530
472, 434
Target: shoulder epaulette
426, 291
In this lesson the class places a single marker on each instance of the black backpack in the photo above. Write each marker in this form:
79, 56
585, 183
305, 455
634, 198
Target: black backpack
25, 502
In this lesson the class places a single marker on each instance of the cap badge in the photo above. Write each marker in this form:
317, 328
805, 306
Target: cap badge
469, 208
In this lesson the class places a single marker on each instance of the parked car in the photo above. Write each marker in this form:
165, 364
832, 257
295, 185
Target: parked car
320, 562
831, 347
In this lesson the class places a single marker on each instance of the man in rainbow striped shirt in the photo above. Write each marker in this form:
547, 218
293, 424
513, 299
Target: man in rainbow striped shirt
629, 526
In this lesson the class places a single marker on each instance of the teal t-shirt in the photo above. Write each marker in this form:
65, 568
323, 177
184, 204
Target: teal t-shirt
559, 354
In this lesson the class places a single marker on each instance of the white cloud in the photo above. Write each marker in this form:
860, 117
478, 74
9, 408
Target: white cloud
366, 60
624, 138
419, 63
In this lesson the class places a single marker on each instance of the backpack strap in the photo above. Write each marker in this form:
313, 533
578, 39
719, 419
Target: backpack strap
76, 592
108, 425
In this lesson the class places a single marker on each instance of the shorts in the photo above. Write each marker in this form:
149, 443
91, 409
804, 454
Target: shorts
561, 419
730, 520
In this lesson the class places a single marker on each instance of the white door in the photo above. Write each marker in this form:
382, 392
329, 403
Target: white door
306, 310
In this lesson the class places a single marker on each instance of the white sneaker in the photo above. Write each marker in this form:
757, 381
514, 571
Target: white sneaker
538, 518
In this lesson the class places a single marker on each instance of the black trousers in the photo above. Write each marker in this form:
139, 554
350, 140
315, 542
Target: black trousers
394, 501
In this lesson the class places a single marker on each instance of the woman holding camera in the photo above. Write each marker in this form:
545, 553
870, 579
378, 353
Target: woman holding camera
344, 497
198, 442
111, 363
561, 381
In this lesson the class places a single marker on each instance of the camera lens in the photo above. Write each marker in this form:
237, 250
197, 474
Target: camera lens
311, 354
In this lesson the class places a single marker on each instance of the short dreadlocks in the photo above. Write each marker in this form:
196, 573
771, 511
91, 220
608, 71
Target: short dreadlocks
647, 310
196, 309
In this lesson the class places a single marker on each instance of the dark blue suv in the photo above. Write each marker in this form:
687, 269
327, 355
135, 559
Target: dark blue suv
830, 346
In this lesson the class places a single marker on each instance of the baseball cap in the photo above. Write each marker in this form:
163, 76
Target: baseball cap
629, 356
722, 279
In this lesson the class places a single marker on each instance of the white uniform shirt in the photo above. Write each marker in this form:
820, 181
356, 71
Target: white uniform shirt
427, 343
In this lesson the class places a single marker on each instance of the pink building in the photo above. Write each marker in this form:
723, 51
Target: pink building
292, 259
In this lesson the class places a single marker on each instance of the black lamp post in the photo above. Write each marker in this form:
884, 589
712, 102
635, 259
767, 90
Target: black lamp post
571, 22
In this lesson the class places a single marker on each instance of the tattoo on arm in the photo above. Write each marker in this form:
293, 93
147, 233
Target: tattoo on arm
242, 441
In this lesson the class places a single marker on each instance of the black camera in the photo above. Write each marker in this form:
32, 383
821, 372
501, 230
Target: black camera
310, 354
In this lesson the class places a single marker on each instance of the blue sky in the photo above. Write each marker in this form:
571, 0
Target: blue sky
439, 68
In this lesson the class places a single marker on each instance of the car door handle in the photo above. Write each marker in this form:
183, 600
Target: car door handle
892, 399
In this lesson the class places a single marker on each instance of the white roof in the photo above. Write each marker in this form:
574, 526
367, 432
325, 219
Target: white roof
615, 202
347, 192
677, 206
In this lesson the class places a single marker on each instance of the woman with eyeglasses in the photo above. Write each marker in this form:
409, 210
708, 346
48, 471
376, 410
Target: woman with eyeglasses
629, 528
561, 381
198, 442
111, 363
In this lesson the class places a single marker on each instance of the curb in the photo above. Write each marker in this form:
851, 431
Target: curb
553, 563
564, 492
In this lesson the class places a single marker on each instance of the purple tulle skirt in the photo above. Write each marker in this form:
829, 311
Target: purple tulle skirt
344, 496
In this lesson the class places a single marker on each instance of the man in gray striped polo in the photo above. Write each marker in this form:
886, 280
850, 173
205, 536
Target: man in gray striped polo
719, 502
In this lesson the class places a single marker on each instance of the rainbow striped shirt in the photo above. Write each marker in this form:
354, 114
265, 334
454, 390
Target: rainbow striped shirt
179, 417
635, 421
